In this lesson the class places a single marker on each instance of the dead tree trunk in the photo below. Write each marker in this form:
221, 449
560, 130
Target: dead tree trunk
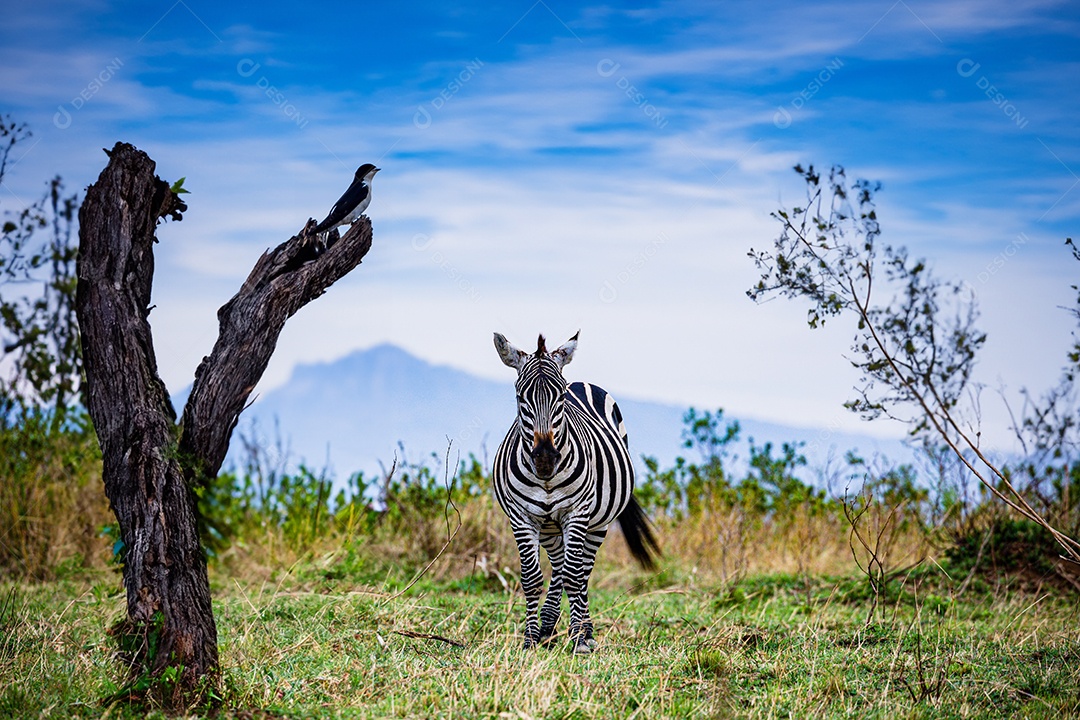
150, 466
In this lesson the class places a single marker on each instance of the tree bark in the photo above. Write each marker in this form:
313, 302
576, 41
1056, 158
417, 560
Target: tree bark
248, 328
150, 467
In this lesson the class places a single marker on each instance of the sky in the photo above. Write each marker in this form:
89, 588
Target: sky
549, 167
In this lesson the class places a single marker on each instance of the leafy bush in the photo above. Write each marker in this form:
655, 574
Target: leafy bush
1010, 547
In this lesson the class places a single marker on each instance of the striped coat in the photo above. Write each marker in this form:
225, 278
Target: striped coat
562, 475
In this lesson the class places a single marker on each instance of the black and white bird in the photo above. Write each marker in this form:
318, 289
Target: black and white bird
350, 205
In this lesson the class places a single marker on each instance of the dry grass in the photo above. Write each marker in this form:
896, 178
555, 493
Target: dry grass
746, 617
313, 644
727, 545
52, 508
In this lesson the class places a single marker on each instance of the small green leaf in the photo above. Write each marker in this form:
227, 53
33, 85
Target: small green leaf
178, 187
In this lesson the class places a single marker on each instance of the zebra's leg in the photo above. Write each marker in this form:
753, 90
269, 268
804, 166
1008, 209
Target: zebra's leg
581, 547
549, 613
532, 578
593, 540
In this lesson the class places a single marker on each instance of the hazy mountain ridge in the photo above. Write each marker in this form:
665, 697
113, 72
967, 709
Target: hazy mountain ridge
356, 413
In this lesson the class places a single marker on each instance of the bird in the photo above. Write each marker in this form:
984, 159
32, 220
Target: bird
351, 204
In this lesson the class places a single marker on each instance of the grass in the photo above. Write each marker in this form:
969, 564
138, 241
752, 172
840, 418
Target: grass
323, 639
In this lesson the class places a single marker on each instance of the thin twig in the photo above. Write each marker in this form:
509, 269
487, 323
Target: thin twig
450, 536
428, 636
1020, 504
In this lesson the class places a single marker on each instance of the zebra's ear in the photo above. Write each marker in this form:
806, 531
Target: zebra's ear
565, 353
510, 355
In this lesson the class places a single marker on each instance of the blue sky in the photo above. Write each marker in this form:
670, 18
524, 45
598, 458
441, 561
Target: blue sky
550, 166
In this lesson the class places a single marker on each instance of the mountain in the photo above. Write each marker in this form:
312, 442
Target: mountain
356, 412
359, 412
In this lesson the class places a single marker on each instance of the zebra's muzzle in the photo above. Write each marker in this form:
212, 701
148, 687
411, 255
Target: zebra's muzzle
544, 455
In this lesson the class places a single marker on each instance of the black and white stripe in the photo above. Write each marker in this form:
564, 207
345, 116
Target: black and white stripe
562, 475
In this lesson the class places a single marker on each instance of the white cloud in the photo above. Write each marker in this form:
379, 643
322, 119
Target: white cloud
549, 201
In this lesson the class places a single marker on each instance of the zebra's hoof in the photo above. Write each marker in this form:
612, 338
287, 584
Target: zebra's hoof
584, 647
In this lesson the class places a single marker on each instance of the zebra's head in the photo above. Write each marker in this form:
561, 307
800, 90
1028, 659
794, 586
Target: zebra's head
540, 389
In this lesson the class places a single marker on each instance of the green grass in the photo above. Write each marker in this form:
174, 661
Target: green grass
315, 644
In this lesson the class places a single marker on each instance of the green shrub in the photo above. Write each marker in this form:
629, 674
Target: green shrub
1005, 547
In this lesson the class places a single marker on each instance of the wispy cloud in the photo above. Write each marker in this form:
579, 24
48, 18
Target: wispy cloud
597, 168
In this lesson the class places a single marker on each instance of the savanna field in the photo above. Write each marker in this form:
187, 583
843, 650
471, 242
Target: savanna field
773, 599
216, 217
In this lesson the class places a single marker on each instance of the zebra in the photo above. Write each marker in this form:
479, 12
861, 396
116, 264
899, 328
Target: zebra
562, 475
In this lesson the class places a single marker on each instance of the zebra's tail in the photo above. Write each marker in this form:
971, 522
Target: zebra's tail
639, 536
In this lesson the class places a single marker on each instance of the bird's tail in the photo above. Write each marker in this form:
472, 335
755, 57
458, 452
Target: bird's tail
639, 536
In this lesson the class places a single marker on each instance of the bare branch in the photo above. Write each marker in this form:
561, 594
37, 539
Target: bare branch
910, 352
249, 324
